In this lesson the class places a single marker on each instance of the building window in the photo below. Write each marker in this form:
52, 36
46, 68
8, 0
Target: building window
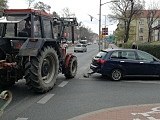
141, 21
158, 22
140, 37
141, 30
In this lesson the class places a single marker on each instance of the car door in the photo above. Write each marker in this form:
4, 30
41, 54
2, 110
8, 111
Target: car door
148, 64
130, 63
121, 61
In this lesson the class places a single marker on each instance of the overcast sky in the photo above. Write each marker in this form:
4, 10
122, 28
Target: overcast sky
81, 8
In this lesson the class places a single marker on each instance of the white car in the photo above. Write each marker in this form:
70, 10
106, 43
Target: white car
80, 48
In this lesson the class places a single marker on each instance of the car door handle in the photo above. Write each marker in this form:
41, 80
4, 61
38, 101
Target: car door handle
121, 61
141, 62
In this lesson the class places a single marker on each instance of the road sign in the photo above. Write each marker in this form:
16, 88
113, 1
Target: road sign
104, 31
112, 38
103, 36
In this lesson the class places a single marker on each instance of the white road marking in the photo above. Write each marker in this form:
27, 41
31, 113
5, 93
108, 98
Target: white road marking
63, 84
22, 119
45, 99
148, 82
148, 114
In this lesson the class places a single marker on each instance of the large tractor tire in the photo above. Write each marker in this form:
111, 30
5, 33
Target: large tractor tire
71, 69
42, 71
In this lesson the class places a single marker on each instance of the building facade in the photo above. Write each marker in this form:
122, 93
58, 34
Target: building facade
139, 29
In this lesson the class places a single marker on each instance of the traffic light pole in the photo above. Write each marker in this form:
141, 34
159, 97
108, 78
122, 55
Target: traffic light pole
100, 20
99, 43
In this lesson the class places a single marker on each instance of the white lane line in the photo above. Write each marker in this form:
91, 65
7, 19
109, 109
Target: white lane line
147, 82
45, 99
63, 84
22, 118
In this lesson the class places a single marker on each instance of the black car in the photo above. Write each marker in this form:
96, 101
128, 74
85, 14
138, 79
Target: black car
118, 63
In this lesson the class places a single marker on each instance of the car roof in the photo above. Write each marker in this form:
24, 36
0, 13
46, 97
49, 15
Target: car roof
79, 44
118, 49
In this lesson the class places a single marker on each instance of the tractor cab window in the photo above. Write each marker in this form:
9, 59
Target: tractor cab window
37, 27
47, 28
12, 25
24, 28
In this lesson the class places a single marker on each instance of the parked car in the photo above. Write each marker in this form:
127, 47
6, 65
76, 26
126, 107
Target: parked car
89, 43
80, 48
119, 63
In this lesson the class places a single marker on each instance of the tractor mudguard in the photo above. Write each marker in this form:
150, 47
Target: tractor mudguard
32, 46
6, 96
68, 56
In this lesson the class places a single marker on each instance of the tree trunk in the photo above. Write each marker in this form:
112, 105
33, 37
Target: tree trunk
149, 35
127, 33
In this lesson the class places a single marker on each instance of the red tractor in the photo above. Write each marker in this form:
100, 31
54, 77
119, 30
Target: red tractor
35, 54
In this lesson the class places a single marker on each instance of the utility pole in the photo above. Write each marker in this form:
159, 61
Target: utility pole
100, 5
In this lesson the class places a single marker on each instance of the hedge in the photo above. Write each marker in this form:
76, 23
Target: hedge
153, 49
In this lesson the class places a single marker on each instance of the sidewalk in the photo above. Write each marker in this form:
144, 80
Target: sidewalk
133, 112
112, 46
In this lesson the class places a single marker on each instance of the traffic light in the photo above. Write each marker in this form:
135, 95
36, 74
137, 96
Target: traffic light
104, 31
91, 17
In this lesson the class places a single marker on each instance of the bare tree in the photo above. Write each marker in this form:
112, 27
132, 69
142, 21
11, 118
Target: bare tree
3, 5
152, 16
126, 11
29, 2
42, 6
55, 14
67, 13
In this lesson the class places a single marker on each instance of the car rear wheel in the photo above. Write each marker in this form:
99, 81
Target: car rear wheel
116, 75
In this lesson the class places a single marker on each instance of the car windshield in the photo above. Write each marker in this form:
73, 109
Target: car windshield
78, 45
145, 56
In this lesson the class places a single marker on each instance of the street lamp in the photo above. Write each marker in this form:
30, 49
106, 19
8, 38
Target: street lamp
100, 20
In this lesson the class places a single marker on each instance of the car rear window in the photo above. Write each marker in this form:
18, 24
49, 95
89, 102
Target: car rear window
78, 45
101, 54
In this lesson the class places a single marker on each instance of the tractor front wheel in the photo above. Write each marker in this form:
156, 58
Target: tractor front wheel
71, 68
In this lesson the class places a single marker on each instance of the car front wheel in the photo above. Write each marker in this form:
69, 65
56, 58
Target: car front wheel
116, 75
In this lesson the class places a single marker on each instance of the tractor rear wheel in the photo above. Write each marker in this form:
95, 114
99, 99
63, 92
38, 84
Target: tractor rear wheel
71, 69
42, 71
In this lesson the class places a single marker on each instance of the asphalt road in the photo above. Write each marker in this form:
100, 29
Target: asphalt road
80, 95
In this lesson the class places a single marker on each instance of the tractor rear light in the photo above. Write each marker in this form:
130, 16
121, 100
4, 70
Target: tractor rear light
101, 61
19, 45
33, 40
